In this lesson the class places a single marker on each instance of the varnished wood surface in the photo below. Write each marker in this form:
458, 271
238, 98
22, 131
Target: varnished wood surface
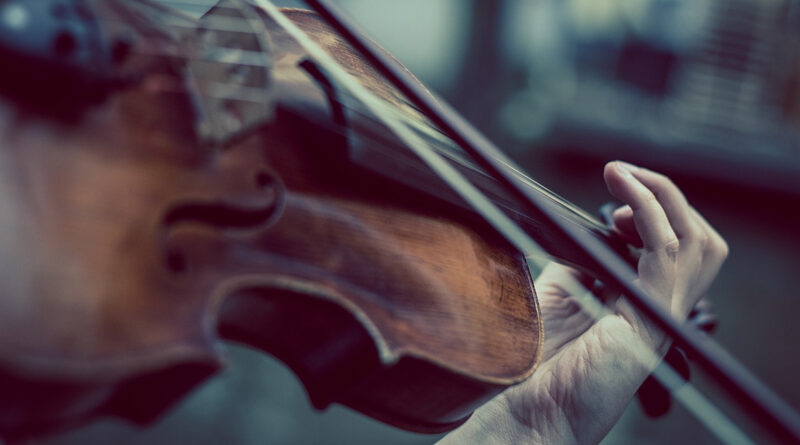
129, 246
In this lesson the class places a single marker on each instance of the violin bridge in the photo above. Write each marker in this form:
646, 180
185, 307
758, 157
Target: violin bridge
229, 78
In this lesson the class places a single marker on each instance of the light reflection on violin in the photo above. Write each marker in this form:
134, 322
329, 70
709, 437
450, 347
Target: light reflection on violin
249, 221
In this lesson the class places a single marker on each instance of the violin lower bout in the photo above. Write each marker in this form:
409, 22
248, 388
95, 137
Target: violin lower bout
388, 302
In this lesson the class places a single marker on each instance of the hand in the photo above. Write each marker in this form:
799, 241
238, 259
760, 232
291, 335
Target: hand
591, 369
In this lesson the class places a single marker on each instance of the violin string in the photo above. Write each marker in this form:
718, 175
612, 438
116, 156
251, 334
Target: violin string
431, 131
173, 18
218, 54
211, 89
257, 28
464, 188
253, 58
235, 25
686, 394
725, 431
764, 407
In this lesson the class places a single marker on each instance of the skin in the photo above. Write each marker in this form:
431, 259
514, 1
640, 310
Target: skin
591, 369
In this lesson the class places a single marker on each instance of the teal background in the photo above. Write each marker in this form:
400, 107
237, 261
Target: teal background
448, 43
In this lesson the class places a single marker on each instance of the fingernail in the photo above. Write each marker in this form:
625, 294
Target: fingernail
624, 210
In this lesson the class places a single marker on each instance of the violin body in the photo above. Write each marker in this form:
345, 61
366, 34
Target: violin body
140, 234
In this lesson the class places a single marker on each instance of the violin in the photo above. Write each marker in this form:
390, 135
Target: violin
169, 184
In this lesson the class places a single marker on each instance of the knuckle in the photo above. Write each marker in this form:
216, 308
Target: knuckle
704, 241
718, 248
663, 183
696, 235
672, 247
649, 198
666, 189
663, 180
723, 249
644, 198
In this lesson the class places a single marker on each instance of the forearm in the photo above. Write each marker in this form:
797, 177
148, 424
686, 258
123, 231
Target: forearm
615, 364
500, 423
491, 424
604, 369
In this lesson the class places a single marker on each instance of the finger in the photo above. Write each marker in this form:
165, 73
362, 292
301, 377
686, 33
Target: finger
649, 217
716, 246
623, 222
562, 316
681, 216
715, 251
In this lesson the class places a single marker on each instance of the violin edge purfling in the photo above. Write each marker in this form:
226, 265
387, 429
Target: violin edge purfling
149, 246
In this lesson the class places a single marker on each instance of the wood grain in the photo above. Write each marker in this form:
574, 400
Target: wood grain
131, 251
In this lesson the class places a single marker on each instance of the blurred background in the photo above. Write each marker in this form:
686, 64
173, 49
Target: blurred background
706, 91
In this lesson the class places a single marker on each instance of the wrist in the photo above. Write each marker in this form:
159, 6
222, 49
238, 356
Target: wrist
492, 424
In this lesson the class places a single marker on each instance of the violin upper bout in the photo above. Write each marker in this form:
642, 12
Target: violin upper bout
131, 248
